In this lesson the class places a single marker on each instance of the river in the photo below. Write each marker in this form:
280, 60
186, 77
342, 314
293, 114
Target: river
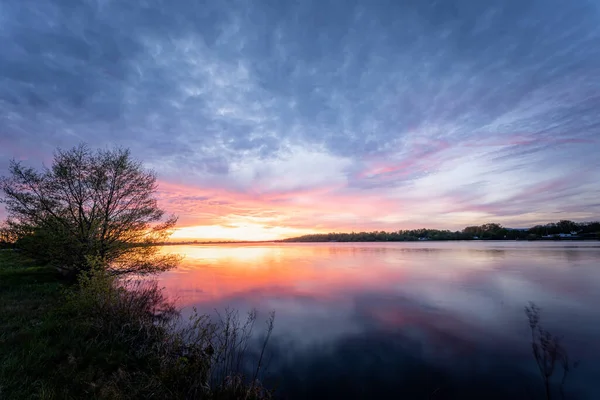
435, 320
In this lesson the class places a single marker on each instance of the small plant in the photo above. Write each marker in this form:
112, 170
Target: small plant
225, 344
547, 351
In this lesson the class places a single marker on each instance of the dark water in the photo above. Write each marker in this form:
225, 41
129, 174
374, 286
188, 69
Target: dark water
436, 320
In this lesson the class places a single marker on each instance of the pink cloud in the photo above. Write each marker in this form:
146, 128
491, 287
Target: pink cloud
421, 157
522, 139
302, 208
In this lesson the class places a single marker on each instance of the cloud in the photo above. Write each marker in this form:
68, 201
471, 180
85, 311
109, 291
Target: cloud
387, 109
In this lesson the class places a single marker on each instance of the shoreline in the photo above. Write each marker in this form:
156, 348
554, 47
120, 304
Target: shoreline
284, 241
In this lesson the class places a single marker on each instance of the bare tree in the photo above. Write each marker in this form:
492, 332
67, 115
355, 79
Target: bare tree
98, 204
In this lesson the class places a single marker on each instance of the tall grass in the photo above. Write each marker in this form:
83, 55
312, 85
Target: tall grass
201, 357
548, 352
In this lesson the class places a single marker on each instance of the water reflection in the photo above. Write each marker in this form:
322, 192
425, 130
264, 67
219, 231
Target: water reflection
435, 316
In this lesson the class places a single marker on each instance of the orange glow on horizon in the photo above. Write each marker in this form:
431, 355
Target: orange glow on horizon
221, 215
264, 214
241, 232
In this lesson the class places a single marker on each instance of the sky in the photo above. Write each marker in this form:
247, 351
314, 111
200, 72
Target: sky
270, 118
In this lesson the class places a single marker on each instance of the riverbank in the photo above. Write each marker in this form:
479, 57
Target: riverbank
100, 340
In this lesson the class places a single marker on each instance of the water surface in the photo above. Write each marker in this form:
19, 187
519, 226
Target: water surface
423, 320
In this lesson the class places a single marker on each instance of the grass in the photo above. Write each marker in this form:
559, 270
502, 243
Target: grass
106, 339
28, 295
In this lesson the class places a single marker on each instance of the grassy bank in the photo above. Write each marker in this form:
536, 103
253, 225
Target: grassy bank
100, 340
29, 295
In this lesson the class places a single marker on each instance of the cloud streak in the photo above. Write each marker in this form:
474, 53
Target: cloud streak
322, 115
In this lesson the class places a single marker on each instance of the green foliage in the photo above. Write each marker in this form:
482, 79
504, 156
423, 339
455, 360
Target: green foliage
490, 231
380, 236
486, 231
100, 204
583, 229
110, 338
7, 239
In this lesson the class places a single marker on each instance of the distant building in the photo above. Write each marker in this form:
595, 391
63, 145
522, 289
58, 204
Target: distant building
568, 235
561, 235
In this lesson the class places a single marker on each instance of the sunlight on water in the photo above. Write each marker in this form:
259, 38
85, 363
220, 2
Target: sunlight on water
222, 253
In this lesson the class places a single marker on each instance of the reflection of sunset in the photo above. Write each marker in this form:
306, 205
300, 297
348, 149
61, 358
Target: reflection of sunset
440, 273
227, 253
213, 273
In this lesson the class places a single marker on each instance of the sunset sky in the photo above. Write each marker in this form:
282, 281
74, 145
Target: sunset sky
269, 119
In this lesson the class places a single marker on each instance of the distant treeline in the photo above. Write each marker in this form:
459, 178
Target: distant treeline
558, 230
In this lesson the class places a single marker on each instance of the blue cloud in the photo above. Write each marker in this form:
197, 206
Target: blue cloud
202, 86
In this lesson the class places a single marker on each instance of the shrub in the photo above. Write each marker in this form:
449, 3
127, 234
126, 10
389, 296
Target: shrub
160, 355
